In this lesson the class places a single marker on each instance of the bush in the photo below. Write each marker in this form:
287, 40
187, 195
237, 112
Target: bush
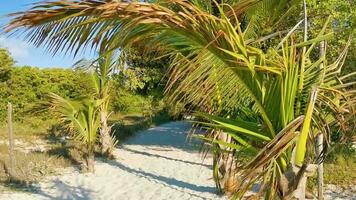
29, 86
128, 102
340, 152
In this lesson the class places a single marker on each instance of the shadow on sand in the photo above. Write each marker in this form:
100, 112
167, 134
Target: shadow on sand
167, 181
64, 192
165, 157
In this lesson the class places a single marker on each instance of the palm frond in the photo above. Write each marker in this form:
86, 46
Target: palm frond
81, 116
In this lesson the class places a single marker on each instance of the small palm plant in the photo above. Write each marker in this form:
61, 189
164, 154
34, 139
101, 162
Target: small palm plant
101, 70
81, 117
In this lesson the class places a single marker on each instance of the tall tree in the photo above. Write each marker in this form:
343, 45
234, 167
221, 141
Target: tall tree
145, 69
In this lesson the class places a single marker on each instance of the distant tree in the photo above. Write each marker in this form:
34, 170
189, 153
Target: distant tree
145, 70
343, 19
6, 62
28, 86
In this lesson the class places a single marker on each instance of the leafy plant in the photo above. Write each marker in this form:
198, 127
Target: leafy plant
82, 117
102, 70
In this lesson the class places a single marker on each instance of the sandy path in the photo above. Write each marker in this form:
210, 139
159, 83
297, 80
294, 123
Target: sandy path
155, 164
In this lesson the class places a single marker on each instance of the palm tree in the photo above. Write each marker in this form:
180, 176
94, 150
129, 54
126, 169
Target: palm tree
280, 98
102, 69
81, 116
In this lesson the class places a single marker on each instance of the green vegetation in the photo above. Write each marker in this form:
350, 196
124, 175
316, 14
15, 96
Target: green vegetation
341, 173
102, 71
340, 167
343, 18
82, 117
285, 86
26, 87
38, 132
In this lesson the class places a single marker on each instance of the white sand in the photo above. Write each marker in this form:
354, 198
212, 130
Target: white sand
155, 164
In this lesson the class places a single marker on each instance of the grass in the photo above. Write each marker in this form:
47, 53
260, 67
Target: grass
29, 167
341, 175
32, 162
340, 165
339, 168
26, 132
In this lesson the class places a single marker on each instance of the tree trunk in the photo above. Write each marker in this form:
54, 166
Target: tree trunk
231, 182
294, 180
227, 164
106, 144
300, 192
90, 160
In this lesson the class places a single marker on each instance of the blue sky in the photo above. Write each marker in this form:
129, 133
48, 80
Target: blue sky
24, 53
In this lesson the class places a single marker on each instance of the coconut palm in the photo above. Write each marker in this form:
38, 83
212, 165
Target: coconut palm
101, 69
280, 98
81, 116
70, 30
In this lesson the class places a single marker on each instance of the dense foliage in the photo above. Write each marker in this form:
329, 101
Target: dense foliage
6, 62
25, 87
145, 70
343, 18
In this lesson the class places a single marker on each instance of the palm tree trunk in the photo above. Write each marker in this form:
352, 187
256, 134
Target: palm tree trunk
300, 192
228, 162
90, 160
106, 148
293, 182
231, 181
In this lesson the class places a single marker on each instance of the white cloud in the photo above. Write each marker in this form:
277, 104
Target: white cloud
19, 49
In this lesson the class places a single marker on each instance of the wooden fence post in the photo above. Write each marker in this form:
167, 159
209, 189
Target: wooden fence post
11, 140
